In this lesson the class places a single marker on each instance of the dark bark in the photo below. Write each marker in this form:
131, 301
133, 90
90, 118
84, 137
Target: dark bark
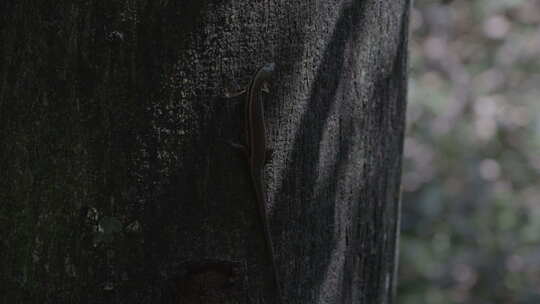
118, 185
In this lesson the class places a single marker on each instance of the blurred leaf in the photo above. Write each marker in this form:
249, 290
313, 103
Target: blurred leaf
471, 213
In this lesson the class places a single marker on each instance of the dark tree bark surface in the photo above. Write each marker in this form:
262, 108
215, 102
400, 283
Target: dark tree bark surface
118, 185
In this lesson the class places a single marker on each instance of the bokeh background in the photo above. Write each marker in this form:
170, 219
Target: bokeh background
471, 181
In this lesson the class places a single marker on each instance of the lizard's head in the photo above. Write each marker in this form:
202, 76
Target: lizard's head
269, 67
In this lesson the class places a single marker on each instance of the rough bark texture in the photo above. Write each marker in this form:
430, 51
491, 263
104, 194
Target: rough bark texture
118, 186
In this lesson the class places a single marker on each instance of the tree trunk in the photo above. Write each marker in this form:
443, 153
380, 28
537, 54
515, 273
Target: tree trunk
118, 183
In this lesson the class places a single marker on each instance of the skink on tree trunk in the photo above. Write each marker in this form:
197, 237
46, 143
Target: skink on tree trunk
257, 152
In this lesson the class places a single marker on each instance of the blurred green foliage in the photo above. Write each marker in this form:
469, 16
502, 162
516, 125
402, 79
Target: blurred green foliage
471, 183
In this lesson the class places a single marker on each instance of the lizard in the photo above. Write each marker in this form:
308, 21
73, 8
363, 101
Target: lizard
256, 150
